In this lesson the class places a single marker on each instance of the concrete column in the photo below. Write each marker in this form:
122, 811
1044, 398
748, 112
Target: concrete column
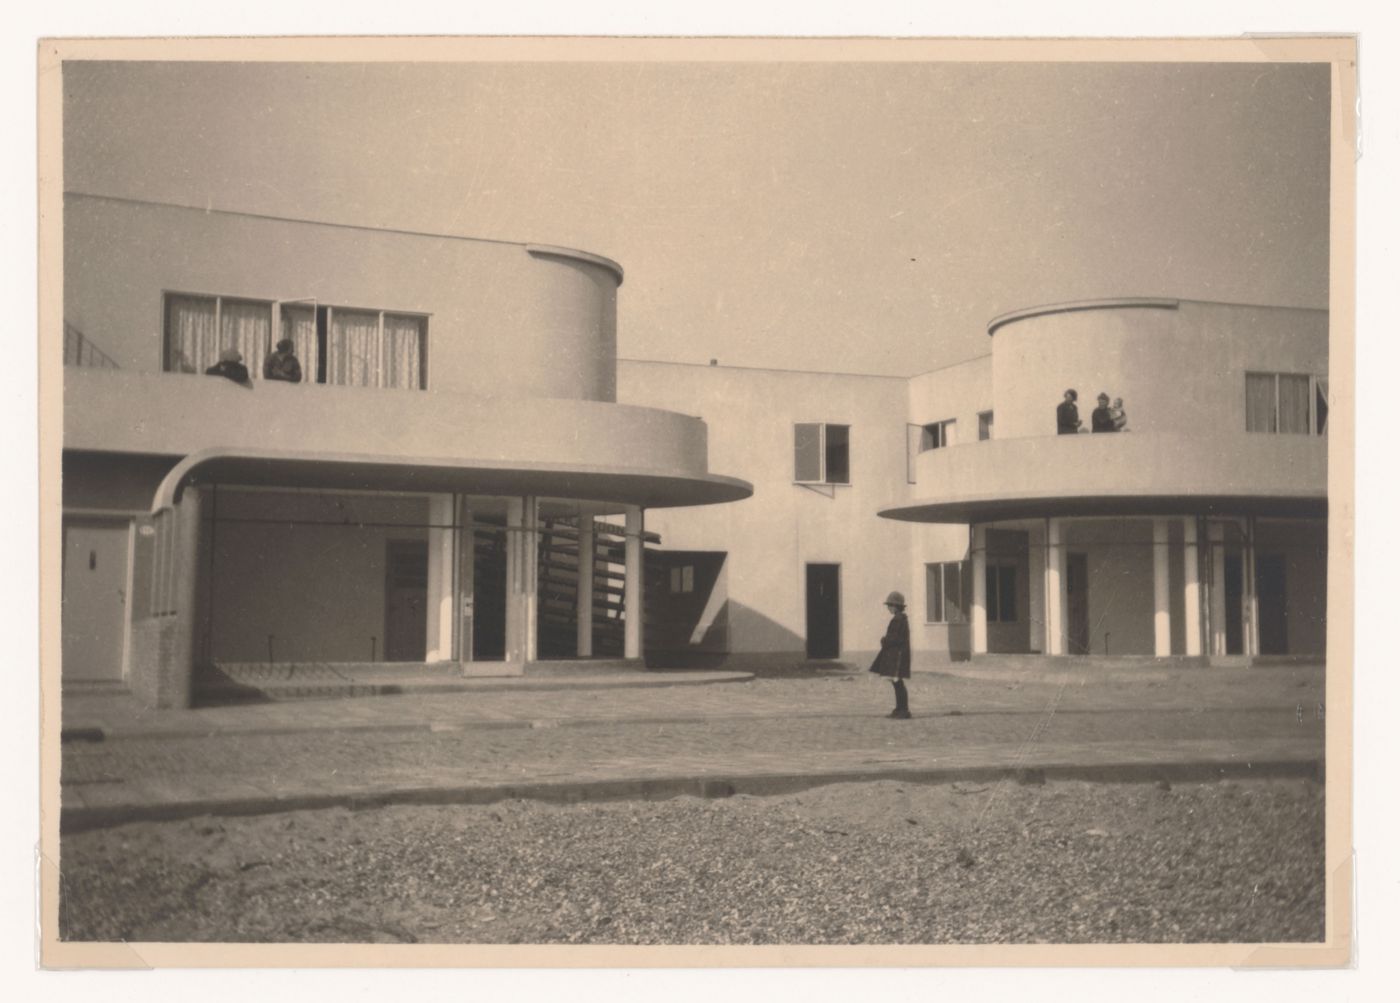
1161, 591
1054, 588
522, 572
1191, 588
1250, 597
466, 581
585, 586
1035, 585
1217, 588
633, 589
441, 618
175, 678
979, 590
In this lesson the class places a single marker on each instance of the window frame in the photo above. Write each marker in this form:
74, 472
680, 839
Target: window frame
964, 570
275, 308
1317, 385
995, 573
937, 434
823, 452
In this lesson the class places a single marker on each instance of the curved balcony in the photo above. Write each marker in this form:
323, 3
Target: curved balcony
331, 436
1123, 474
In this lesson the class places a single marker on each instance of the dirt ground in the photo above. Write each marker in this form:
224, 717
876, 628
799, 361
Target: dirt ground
886, 862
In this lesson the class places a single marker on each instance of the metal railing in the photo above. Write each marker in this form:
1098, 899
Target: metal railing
79, 351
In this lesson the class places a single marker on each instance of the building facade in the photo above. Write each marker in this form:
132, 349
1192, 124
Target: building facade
1198, 531
467, 474
453, 480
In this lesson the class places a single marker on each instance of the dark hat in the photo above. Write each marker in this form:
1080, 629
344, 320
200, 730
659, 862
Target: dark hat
895, 599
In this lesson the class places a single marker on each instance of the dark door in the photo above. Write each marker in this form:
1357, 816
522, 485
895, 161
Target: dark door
823, 610
489, 591
406, 601
1234, 600
1077, 587
94, 598
1270, 586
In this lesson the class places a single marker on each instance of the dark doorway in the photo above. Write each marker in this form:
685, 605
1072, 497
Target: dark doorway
1077, 588
823, 610
489, 595
1271, 588
406, 601
1234, 597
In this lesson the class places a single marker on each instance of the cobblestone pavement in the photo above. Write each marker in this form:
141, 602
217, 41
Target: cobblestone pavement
307, 752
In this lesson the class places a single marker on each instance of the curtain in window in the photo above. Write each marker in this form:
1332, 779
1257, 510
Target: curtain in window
1259, 402
299, 325
403, 346
1293, 394
191, 337
352, 349
247, 327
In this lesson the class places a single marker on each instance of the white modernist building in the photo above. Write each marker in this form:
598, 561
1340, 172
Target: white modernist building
1198, 531
467, 474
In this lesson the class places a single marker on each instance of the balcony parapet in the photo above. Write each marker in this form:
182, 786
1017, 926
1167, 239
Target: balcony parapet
283, 433
1126, 473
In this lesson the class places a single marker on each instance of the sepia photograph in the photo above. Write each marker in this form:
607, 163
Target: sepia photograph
848, 501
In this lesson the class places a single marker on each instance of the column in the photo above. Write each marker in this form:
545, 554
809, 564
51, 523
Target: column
979, 590
585, 586
1217, 587
1161, 591
1191, 589
440, 602
522, 570
1035, 573
175, 676
1054, 588
1250, 596
466, 581
632, 590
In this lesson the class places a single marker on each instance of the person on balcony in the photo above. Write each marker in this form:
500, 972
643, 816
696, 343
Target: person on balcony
283, 364
230, 366
1120, 416
893, 660
1067, 414
1102, 418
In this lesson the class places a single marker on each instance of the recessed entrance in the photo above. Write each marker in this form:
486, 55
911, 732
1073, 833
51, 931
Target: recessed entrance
823, 610
406, 601
1077, 587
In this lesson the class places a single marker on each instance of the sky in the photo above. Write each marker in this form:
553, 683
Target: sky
849, 216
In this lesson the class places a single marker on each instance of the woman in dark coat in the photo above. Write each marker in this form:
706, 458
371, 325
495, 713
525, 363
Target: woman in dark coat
893, 659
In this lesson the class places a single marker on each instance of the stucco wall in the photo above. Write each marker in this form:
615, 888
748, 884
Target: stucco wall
1119, 556
280, 567
501, 319
771, 537
1178, 370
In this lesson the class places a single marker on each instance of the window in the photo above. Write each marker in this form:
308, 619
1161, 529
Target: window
947, 590
683, 578
984, 426
821, 454
362, 348
1001, 592
1285, 403
198, 328
936, 435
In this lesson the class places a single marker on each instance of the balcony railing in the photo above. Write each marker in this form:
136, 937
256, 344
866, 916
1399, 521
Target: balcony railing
79, 351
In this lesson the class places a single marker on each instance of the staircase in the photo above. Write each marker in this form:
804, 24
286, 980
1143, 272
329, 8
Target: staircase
558, 588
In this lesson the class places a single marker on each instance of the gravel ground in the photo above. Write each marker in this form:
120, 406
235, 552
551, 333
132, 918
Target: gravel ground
849, 863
